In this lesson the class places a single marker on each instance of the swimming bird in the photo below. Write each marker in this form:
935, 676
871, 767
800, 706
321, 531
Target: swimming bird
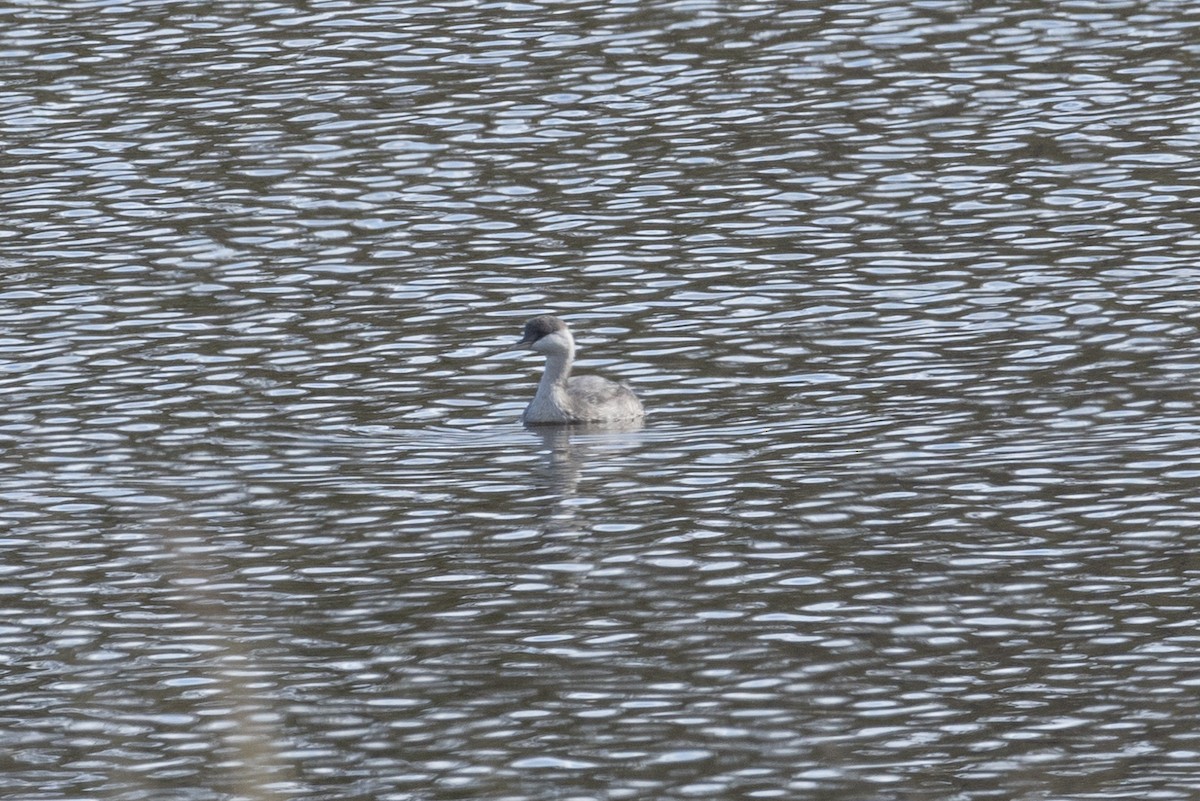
562, 398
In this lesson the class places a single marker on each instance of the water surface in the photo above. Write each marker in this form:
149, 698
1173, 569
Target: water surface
908, 290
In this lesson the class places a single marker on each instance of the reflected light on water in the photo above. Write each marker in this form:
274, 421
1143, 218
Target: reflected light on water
907, 291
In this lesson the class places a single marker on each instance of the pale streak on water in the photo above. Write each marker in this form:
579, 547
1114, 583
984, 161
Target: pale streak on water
910, 290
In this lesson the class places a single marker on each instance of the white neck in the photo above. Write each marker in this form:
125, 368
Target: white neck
550, 404
558, 368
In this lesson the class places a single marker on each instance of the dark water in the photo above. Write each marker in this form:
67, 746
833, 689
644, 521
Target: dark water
909, 289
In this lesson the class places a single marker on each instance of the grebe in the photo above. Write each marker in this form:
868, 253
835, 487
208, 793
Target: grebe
562, 398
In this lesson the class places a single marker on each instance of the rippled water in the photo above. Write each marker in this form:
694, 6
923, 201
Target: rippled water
909, 289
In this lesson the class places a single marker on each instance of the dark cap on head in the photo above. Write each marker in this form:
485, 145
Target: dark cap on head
539, 327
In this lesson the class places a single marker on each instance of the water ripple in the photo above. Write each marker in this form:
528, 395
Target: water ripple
908, 292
